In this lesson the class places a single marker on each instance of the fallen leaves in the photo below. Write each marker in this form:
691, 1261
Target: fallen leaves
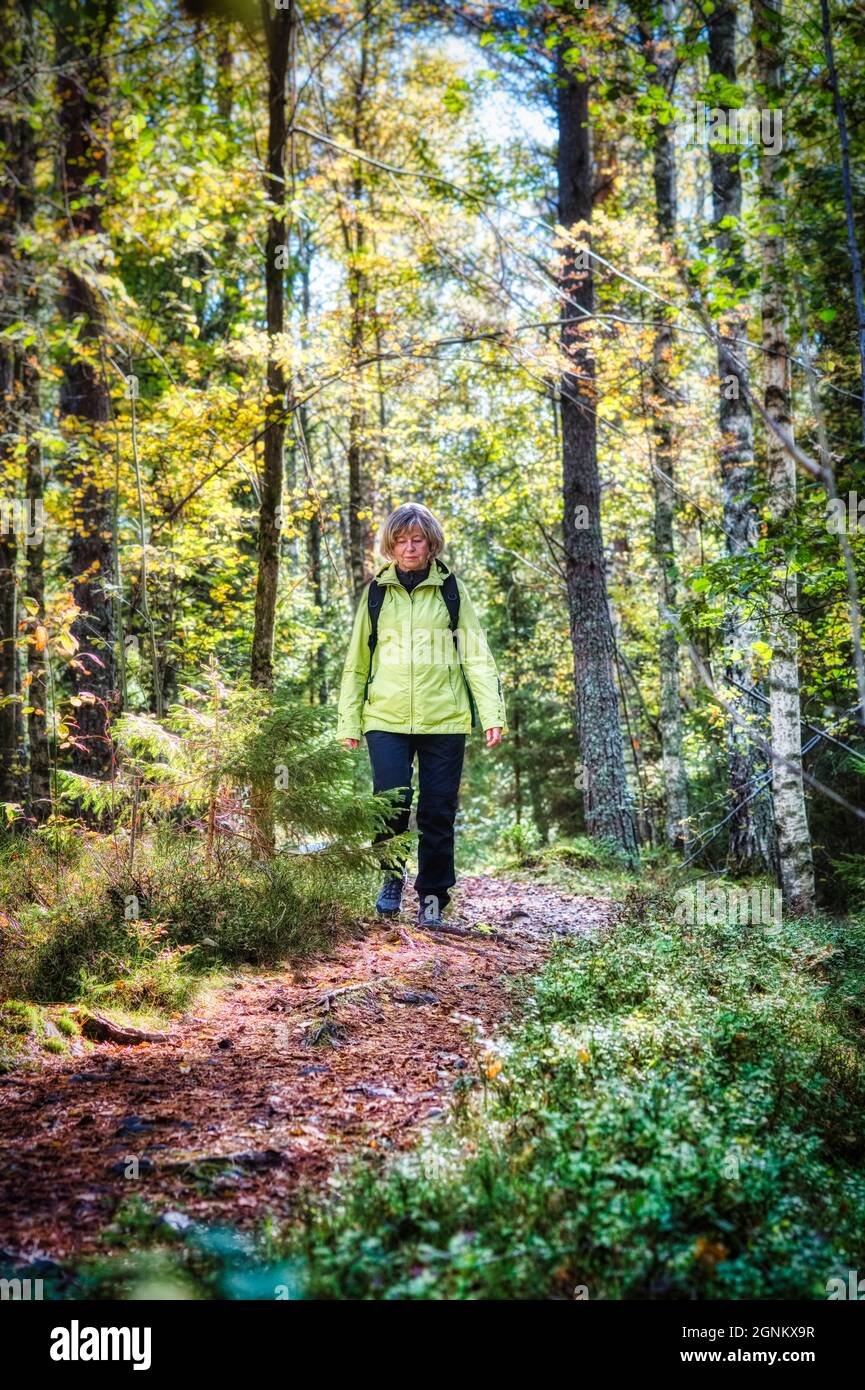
392, 1052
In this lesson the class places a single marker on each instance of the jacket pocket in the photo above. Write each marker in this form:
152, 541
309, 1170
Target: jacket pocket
455, 681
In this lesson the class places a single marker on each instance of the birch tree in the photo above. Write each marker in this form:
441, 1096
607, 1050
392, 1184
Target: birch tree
661, 54
788, 791
751, 847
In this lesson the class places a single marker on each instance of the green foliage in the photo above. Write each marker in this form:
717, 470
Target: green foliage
135, 919
25, 1030
141, 884
18, 1017
140, 936
211, 751
678, 1114
675, 1113
170, 1256
574, 865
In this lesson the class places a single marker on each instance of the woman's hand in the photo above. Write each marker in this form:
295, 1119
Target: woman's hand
349, 742
494, 736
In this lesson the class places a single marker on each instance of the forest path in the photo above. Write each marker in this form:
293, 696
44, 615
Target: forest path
239, 1103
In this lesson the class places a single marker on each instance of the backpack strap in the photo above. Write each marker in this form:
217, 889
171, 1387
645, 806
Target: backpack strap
374, 599
451, 595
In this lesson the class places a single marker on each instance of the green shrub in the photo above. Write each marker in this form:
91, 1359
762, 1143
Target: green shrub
149, 931
21, 1030
133, 916
18, 1017
679, 1114
675, 1113
31, 866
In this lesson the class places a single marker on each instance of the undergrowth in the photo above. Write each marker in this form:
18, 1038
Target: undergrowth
676, 1112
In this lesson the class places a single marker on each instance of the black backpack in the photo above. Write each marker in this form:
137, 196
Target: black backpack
451, 595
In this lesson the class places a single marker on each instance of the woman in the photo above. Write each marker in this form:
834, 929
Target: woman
410, 696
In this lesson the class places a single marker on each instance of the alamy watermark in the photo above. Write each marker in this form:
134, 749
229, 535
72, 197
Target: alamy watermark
404, 645
24, 518
77, 1343
846, 515
853, 1288
21, 1290
722, 906
742, 125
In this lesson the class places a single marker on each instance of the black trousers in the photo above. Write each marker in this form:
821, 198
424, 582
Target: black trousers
440, 765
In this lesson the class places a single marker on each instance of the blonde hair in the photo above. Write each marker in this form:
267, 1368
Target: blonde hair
408, 515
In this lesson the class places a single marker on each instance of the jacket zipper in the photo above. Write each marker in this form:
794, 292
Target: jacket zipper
411, 594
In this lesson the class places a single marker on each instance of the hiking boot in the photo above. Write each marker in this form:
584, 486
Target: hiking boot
390, 898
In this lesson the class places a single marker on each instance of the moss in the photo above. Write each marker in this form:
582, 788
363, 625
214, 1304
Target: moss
16, 1016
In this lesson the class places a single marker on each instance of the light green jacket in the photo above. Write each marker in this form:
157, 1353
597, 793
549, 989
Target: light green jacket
416, 686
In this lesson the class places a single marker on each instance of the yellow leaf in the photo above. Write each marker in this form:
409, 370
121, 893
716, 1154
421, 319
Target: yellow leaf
41, 637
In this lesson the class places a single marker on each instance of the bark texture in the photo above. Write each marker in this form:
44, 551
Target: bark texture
279, 25
751, 837
788, 791
607, 800
10, 493
82, 89
663, 473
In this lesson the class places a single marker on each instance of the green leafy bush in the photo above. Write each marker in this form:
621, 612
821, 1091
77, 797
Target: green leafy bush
177, 886
677, 1114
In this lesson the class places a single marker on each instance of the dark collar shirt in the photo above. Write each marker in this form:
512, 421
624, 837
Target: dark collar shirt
410, 579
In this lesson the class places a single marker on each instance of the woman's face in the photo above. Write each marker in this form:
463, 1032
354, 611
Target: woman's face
411, 549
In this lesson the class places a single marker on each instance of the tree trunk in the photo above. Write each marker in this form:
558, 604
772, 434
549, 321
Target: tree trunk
82, 87
359, 490
229, 291
750, 828
663, 474
9, 694
10, 526
538, 798
279, 28
849, 217
607, 799
359, 530
318, 659
27, 368
788, 791
517, 761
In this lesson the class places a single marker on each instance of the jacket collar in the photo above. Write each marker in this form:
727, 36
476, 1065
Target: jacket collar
387, 575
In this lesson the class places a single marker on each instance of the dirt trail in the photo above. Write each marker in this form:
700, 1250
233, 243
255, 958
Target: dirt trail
239, 1103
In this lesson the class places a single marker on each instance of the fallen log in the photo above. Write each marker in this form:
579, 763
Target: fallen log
256, 1158
101, 1029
